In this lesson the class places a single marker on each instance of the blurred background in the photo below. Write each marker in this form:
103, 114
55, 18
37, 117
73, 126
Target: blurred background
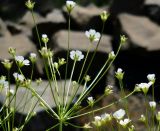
139, 20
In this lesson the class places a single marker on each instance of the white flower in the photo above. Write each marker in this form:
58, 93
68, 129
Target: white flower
119, 114
70, 5
33, 55
92, 35
90, 98
76, 55
4, 83
18, 77
119, 74
151, 77
97, 121
106, 117
111, 55
124, 122
21, 61
144, 86
142, 118
90, 101
152, 104
45, 38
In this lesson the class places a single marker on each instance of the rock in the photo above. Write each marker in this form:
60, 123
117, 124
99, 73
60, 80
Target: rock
79, 41
16, 29
152, 11
152, 2
3, 29
23, 47
84, 17
120, 6
22, 96
141, 32
27, 19
55, 16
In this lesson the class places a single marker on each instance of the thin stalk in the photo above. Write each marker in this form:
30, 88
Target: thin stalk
96, 110
52, 127
69, 85
125, 104
101, 75
146, 104
37, 32
39, 97
153, 92
68, 48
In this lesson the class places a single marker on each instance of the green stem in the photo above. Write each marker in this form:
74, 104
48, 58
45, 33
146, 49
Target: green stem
96, 110
39, 40
68, 48
61, 126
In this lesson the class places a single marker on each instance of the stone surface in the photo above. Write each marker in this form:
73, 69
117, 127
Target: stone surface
119, 6
79, 41
25, 99
141, 31
3, 29
152, 2
83, 17
55, 16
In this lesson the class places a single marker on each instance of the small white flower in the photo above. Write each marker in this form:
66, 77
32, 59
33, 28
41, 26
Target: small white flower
142, 118
144, 87
76, 55
119, 114
151, 77
21, 61
124, 122
4, 83
45, 38
18, 77
152, 104
70, 5
90, 98
90, 101
97, 121
119, 74
92, 35
111, 55
33, 55
106, 117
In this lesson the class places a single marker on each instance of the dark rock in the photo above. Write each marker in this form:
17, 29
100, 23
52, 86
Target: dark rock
152, 11
119, 6
12, 9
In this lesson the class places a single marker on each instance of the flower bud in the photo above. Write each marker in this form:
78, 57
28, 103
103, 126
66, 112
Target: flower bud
7, 64
104, 16
123, 39
45, 38
29, 4
87, 78
12, 51
119, 74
